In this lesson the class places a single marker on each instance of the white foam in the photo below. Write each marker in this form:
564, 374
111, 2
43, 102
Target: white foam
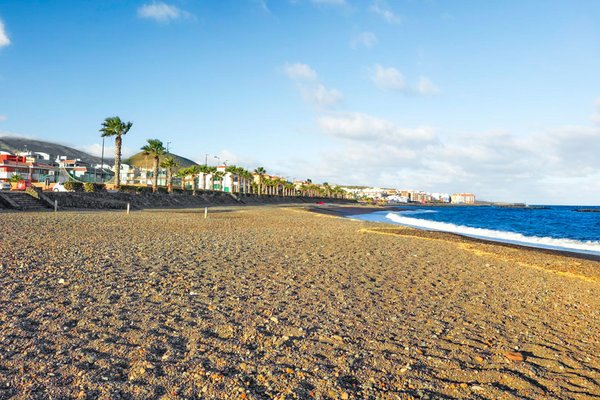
590, 247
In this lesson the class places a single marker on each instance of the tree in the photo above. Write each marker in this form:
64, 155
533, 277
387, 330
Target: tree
156, 149
211, 171
113, 126
219, 175
182, 174
260, 171
234, 171
169, 163
194, 171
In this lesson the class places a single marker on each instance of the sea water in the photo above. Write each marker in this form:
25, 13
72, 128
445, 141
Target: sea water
550, 227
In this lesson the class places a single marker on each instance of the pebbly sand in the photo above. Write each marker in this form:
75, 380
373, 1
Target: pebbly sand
278, 302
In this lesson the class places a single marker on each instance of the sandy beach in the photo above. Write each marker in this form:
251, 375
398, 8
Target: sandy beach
279, 302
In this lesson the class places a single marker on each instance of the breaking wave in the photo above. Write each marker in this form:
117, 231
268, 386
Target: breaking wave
589, 247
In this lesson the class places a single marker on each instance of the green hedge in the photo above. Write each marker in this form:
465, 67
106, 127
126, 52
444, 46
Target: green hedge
74, 186
90, 187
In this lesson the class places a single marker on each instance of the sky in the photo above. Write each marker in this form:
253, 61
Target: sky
501, 99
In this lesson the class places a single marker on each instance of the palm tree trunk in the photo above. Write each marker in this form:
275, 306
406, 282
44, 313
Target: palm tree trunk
193, 185
155, 176
118, 142
169, 180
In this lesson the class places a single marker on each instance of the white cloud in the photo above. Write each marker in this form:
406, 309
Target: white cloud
366, 39
162, 12
4, 40
426, 87
322, 96
310, 87
360, 126
379, 8
390, 78
548, 166
299, 71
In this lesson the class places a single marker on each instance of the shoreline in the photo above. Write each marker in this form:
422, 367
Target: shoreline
346, 212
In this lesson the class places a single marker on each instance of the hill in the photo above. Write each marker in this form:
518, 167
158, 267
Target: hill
16, 144
140, 160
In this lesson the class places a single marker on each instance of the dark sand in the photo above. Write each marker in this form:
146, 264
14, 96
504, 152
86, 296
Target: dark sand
269, 302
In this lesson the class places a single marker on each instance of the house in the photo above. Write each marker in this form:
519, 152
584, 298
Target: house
28, 167
462, 198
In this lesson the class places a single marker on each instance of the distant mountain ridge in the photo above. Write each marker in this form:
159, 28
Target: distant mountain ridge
17, 144
141, 161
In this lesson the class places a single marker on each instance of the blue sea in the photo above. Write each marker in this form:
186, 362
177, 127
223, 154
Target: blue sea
549, 227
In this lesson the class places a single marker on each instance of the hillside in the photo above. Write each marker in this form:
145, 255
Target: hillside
140, 160
16, 144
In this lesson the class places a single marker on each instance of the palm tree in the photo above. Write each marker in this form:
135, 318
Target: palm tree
194, 171
169, 163
260, 171
113, 126
219, 177
182, 174
212, 171
234, 171
154, 148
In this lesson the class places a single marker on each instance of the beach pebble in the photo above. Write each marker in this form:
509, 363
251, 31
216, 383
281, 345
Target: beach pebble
514, 356
61, 281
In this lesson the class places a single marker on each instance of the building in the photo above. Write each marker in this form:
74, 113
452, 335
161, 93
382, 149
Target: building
29, 167
462, 198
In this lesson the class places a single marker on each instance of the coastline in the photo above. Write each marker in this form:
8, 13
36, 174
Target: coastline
345, 212
278, 302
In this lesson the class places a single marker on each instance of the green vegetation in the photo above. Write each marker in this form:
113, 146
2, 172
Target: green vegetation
15, 178
113, 126
155, 149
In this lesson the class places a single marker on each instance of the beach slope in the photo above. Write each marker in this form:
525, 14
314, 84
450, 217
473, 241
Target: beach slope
278, 302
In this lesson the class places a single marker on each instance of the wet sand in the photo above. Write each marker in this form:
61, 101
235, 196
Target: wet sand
274, 302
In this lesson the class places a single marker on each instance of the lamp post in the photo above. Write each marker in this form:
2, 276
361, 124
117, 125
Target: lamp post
218, 160
206, 159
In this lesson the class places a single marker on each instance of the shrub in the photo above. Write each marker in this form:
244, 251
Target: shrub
74, 186
90, 187
15, 178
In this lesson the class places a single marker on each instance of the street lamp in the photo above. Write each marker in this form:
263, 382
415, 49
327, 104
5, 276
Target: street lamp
218, 160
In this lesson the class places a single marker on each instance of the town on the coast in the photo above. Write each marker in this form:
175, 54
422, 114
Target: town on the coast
155, 168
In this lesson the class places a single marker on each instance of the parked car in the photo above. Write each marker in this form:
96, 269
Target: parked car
59, 187
5, 186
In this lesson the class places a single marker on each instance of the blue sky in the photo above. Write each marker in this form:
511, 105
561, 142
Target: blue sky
498, 98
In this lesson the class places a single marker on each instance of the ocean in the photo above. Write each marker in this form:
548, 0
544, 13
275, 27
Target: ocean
549, 227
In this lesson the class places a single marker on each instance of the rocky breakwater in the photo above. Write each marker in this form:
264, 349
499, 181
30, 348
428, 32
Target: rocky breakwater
204, 198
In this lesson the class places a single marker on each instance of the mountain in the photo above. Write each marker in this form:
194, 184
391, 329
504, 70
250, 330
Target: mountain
16, 144
140, 160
